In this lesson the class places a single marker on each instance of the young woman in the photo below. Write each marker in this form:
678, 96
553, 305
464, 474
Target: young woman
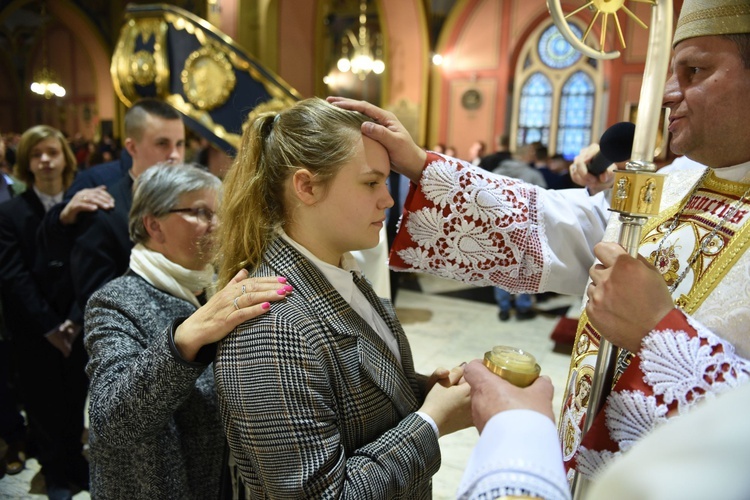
154, 422
319, 397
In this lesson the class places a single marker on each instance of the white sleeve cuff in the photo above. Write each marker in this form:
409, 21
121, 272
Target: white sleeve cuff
518, 453
430, 421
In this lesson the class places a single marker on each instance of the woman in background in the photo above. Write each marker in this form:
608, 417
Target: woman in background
319, 397
154, 422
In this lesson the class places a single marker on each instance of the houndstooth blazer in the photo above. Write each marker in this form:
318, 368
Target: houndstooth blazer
313, 402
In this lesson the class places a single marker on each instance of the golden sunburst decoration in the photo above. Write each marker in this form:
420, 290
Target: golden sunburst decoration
607, 10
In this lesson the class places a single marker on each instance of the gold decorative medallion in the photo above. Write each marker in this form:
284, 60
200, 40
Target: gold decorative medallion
146, 65
583, 344
208, 78
143, 67
666, 262
711, 246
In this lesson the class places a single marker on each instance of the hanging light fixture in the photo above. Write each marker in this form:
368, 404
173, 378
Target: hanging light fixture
45, 79
367, 54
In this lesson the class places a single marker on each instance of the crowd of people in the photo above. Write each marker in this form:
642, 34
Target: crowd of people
64, 233
231, 347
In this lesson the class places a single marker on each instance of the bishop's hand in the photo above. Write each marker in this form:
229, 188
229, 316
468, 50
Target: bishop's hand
628, 297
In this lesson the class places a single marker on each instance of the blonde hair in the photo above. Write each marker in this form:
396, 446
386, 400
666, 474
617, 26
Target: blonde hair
313, 135
31, 138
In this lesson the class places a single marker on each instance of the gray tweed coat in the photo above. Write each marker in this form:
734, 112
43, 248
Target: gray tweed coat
154, 422
314, 403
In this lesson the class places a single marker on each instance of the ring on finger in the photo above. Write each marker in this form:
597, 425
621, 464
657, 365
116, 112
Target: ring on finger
85, 198
236, 305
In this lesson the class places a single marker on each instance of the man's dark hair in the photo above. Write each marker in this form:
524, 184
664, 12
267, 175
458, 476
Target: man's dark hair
742, 40
135, 118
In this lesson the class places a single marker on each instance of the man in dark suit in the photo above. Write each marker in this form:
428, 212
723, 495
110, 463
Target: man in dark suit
58, 226
9, 185
12, 425
492, 161
398, 187
6, 188
101, 248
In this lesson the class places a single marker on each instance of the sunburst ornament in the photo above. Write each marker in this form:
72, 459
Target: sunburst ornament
606, 12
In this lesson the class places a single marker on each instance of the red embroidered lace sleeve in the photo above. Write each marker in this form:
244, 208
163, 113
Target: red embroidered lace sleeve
680, 363
466, 224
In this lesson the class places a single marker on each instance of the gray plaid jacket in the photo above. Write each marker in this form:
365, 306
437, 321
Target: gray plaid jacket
154, 422
313, 402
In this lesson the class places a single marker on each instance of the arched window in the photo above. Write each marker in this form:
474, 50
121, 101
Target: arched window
576, 114
535, 110
556, 93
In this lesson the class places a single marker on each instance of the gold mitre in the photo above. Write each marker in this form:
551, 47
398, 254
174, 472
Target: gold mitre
712, 17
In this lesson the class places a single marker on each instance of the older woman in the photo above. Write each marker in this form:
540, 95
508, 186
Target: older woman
154, 424
40, 314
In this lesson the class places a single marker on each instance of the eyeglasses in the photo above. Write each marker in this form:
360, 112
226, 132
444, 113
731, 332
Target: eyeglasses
202, 213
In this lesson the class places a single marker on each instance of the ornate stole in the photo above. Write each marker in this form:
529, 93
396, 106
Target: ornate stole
694, 255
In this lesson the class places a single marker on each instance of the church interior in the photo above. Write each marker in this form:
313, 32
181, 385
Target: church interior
455, 72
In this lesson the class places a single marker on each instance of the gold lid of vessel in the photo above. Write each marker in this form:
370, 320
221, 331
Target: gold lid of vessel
514, 365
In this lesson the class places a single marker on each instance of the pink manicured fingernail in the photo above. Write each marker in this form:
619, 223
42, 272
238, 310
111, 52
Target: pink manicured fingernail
288, 288
281, 291
266, 305
282, 279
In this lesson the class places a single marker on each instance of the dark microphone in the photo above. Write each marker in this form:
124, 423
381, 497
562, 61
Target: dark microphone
616, 145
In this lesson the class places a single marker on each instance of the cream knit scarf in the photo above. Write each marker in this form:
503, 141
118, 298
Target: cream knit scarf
170, 277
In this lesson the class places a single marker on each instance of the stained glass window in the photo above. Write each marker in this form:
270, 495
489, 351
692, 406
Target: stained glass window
556, 93
555, 51
535, 111
576, 114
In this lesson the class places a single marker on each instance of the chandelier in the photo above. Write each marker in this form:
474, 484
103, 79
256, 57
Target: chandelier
45, 83
45, 79
366, 54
